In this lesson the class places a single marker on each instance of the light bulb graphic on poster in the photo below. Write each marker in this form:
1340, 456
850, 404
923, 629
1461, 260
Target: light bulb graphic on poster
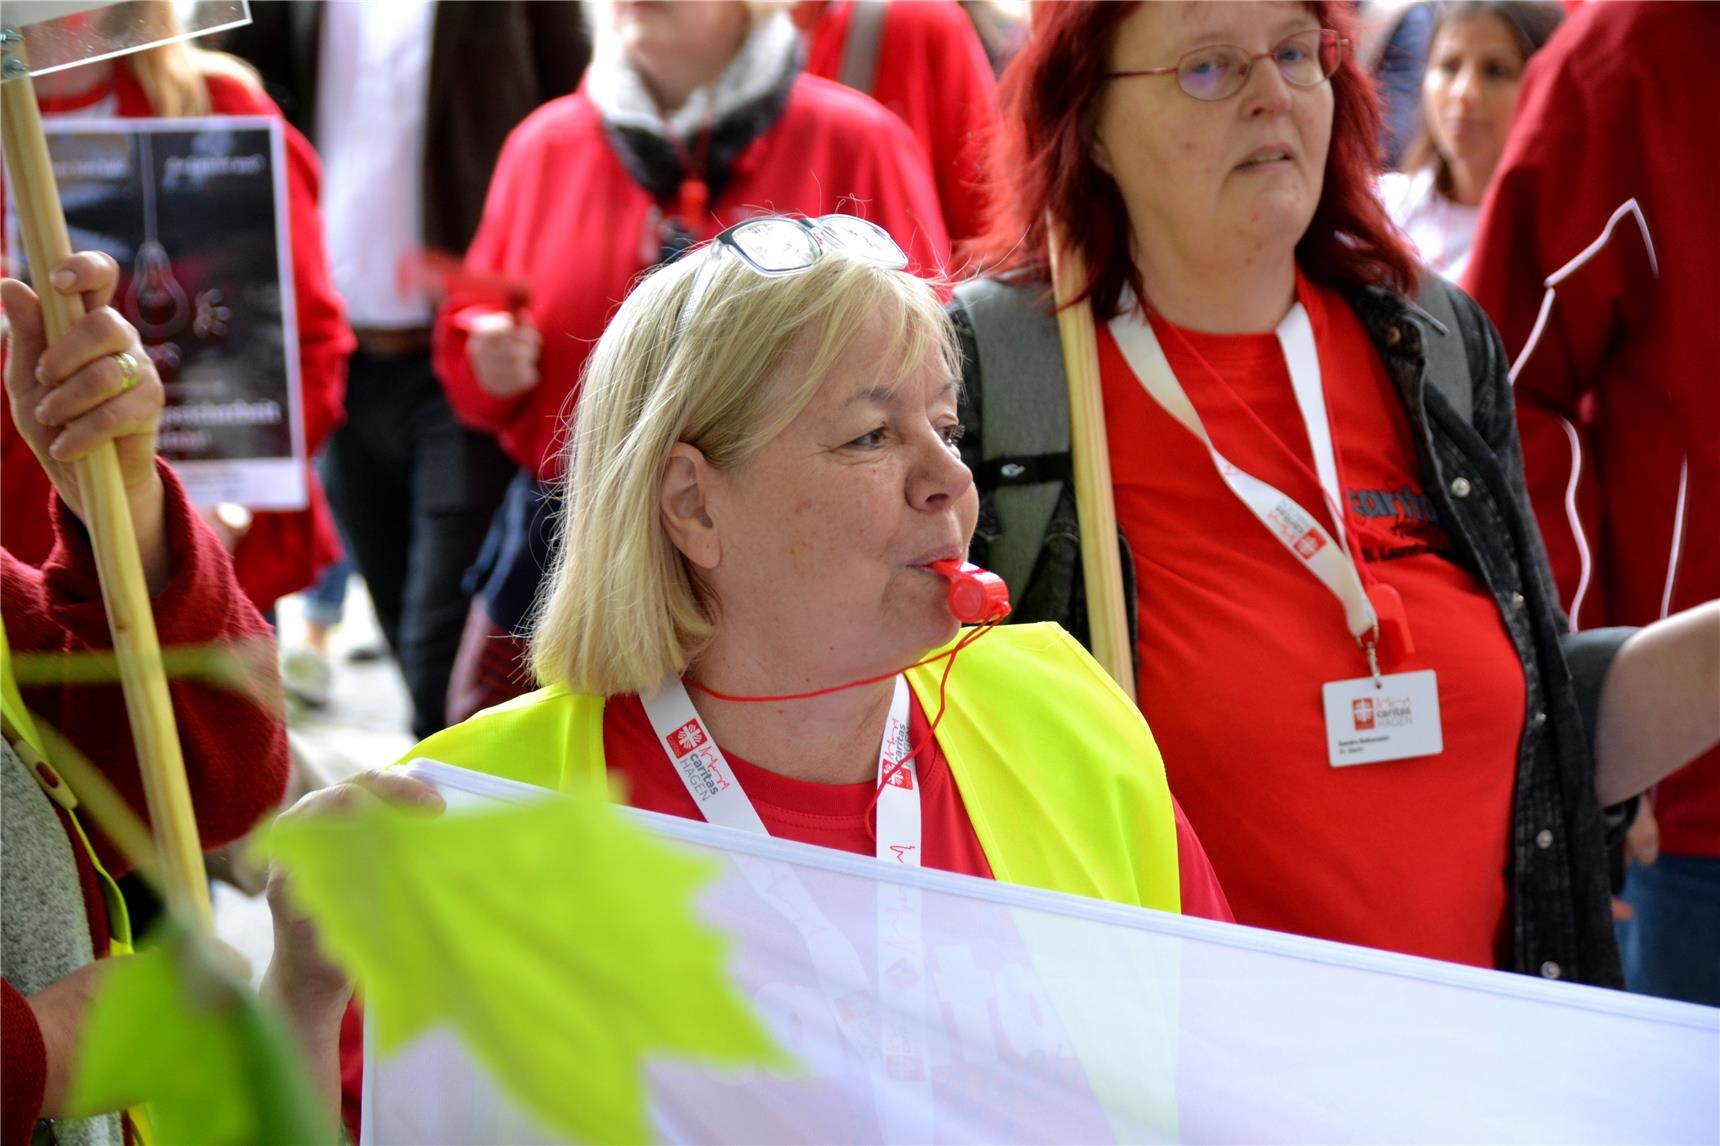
194, 212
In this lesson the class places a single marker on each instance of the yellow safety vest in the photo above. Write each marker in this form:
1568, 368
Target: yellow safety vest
1060, 776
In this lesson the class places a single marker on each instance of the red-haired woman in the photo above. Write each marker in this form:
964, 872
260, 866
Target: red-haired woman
1349, 645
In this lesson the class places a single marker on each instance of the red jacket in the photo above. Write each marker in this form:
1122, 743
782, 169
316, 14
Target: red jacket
932, 72
1621, 379
565, 217
235, 745
283, 552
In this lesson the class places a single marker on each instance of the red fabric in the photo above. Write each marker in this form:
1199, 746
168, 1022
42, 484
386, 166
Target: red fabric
283, 552
835, 815
23, 1066
564, 216
1236, 640
1627, 357
931, 72
235, 746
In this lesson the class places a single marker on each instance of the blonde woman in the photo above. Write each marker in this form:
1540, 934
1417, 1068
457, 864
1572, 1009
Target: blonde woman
275, 553
738, 621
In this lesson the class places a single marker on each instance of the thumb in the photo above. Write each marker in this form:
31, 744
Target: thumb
26, 336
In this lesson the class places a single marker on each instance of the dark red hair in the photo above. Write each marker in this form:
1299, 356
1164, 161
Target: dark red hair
1042, 164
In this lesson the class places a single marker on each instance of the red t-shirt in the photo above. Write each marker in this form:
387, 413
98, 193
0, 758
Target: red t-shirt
837, 815
1236, 640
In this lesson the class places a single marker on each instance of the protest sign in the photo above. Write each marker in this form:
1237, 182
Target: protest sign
195, 213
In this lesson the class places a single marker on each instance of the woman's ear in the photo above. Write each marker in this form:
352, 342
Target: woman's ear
1100, 157
683, 501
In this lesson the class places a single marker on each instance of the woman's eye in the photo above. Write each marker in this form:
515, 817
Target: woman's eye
1292, 54
1204, 66
869, 440
953, 434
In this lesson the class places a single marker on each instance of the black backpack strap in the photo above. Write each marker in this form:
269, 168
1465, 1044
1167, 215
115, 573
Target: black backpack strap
860, 49
1447, 357
1024, 417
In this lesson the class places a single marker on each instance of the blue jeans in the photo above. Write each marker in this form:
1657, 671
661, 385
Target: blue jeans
1672, 947
325, 600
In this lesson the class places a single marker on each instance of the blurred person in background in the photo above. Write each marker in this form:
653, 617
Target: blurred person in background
924, 61
1596, 255
693, 117
274, 552
1469, 98
409, 102
1391, 41
1318, 484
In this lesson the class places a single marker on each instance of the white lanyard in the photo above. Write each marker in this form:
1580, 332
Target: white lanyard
884, 1032
712, 783
1296, 529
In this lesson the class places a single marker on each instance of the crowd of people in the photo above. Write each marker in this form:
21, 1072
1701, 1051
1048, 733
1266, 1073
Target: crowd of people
755, 329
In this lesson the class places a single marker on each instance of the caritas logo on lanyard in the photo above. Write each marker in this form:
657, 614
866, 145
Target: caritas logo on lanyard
1379, 717
716, 790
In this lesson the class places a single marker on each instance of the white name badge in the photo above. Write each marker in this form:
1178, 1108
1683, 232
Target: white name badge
1393, 718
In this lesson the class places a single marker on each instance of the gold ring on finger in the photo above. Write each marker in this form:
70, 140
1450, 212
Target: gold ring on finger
128, 374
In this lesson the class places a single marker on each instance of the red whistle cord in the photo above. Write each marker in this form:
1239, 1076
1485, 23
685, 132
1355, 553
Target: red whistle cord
948, 656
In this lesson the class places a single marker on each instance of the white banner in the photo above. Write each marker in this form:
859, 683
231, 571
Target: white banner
1049, 1018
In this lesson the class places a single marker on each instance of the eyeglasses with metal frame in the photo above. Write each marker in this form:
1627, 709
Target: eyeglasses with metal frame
1218, 71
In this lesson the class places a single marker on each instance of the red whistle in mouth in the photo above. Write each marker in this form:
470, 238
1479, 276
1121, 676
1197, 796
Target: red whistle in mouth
975, 594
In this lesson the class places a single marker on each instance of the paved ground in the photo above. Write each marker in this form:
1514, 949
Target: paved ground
364, 725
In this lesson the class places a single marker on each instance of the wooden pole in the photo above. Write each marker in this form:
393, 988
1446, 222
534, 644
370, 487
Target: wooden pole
42, 223
1101, 565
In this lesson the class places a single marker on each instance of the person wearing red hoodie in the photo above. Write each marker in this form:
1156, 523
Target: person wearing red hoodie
691, 118
1595, 256
275, 552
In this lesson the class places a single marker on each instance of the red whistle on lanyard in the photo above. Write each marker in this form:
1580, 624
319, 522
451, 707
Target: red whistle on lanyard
975, 594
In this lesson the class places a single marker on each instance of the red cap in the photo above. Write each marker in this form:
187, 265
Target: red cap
975, 594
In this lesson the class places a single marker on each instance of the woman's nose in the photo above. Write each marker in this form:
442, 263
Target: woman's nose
1265, 90
940, 475
1466, 85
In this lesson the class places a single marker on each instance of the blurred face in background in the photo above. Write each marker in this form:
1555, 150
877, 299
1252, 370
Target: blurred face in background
679, 45
1469, 95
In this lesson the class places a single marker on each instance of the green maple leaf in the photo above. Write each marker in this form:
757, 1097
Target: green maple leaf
555, 939
174, 1029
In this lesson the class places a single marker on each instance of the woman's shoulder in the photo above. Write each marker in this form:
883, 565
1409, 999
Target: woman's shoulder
566, 114
528, 739
231, 93
852, 116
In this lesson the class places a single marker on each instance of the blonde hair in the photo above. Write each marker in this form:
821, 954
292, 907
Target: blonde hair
174, 76
622, 608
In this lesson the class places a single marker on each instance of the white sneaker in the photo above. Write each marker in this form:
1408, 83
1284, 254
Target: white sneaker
307, 677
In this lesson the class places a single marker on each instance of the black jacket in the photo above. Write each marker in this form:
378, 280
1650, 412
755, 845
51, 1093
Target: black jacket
1473, 469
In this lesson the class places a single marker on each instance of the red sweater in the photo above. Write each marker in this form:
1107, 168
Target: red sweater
283, 552
1621, 379
564, 216
932, 72
235, 745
